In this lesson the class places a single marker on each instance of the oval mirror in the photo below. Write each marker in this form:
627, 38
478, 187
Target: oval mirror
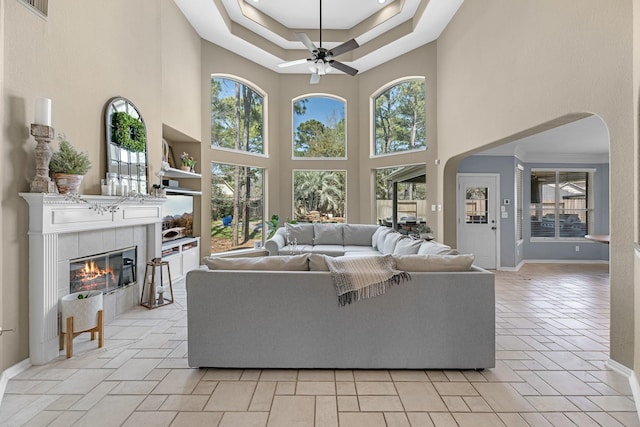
127, 144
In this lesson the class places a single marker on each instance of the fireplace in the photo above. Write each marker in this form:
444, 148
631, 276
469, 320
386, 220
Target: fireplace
103, 272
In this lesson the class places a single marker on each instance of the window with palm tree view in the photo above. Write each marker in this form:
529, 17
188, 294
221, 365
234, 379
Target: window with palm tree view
237, 116
236, 206
319, 127
319, 195
400, 118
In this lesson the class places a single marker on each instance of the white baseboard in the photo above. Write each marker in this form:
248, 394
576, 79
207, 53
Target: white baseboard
633, 380
565, 261
11, 372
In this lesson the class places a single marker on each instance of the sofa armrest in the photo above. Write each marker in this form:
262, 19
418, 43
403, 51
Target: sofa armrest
274, 244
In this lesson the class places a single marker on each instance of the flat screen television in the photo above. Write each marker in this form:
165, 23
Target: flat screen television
177, 217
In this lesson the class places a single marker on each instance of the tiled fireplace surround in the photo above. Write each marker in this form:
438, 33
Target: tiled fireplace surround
61, 230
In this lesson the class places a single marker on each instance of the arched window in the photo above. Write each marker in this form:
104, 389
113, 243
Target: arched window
237, 116
319, 129
399, 118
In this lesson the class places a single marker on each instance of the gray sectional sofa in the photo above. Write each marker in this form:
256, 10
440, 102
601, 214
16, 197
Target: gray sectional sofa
348, 240
274, 312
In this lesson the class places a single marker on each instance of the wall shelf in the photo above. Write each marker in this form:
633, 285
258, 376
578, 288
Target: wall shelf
170, 172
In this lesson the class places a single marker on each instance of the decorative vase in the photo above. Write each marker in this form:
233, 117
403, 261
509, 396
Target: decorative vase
185, 168
84, 310
67, 183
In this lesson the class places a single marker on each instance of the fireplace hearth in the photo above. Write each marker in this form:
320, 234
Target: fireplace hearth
103, 272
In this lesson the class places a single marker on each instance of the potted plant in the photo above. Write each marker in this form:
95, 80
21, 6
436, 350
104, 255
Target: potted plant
188, 162
68, 166
424, 231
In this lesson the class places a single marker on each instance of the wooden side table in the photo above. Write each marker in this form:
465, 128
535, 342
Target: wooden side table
149, 298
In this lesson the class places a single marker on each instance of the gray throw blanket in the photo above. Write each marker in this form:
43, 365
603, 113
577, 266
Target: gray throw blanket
361, 277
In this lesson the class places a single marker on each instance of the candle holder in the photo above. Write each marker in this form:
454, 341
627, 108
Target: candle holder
43, 135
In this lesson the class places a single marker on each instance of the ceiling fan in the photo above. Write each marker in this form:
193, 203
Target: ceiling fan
322, 60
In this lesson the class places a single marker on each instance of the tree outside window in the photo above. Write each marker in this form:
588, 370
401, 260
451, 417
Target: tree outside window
237, 116
400, 118
319, 127
319, 196
237, 208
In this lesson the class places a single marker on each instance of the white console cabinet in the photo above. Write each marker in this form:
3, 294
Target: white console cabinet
183, 255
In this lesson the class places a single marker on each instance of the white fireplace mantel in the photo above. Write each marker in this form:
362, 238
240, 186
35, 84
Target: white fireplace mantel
51, 215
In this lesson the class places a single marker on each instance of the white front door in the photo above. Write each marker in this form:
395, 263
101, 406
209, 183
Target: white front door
477, 221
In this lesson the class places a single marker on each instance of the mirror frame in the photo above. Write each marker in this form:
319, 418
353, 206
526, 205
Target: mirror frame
125, 163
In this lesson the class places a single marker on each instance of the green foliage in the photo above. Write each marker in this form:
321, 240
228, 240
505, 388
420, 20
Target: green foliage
273, 224
316, 139
128, 132
322, 191
400, 118
236, 116
68, 160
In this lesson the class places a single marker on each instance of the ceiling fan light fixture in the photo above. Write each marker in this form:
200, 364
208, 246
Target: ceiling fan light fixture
379, 1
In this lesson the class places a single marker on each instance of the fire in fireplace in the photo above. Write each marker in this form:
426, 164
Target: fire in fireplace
104, 272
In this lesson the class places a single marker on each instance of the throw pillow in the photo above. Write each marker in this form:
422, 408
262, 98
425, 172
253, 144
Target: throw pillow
358, 234
434, 248
269, 263
407, 246
382, 235
417, 263
390, 242
327, 234
317, 262
302, 233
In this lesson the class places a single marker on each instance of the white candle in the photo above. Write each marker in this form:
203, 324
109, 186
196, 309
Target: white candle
43, 112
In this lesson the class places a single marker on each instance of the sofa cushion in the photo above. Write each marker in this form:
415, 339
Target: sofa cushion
331, 250
295, 249
317, 262
434, 262
302, 233
435, 248
270, 263
358, 234
327, 234
390, 242
364, 249
382, 235
407, 247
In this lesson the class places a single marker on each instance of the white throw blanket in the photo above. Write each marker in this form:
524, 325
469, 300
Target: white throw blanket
361, 277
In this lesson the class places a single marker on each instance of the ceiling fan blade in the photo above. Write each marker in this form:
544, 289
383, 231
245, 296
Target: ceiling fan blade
343, 67
315, 79
344, 47
292, 63
304, 38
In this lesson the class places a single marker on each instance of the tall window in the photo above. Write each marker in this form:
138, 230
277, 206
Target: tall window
561, 203
319, 127
237, 208
237, 116
319, 196
412, 199
399, 118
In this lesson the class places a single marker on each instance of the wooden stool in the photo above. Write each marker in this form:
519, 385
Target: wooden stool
66, 339
149, 300
81, 312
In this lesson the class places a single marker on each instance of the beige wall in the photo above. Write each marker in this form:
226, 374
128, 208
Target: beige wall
82, 55
505, 67
636, 139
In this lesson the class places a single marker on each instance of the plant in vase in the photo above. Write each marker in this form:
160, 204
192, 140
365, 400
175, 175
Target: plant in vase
424, 231
188, 162
68, 166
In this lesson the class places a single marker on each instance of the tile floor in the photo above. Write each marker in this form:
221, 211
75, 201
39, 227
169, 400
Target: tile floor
552, 326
